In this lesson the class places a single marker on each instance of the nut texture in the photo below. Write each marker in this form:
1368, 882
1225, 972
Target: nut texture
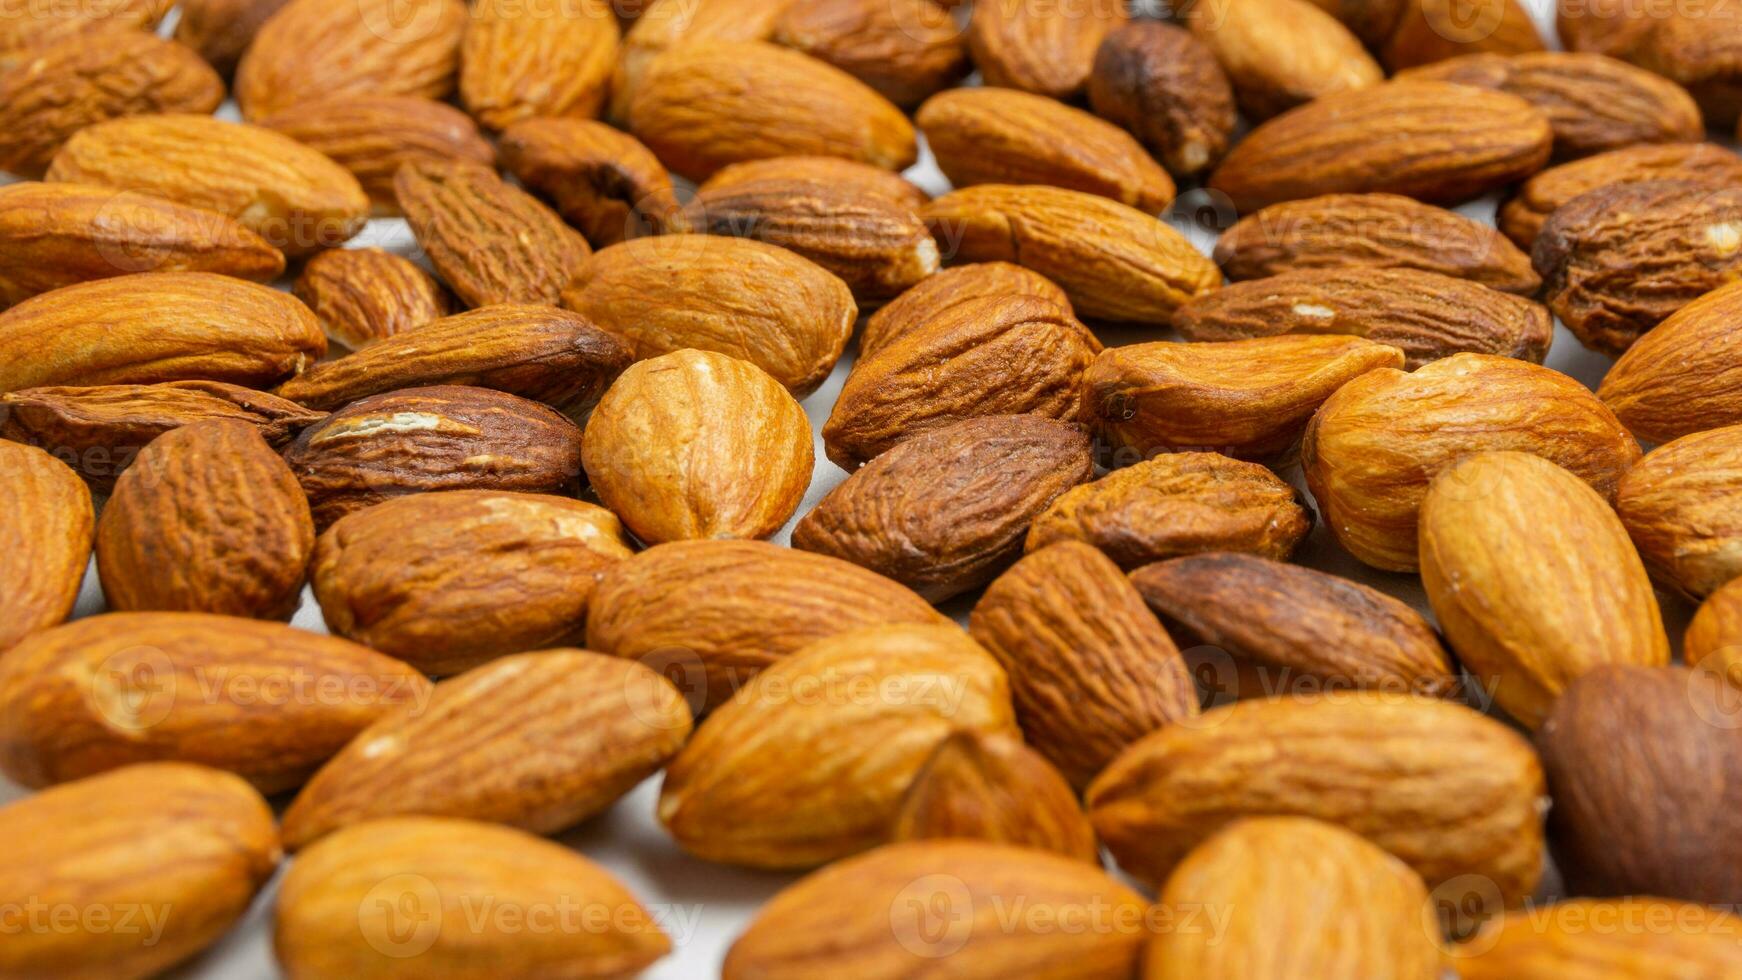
601, 180
933, 297
905, 49
861, 177
1522, 216
1281, 53
45, 548
1165, 87
1695, 47
1680, 505
1682, 376
1558, 943
316, 49
372, 136
994, 788
519, 61
1048, 49
26, 29
362, 295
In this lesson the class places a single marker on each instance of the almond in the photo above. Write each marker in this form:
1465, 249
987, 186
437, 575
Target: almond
372, 136
905, 49
1165, 87
1522, 217
1630, 937
1044, 48
364, 295
663, 24
1691, 46
208, 519
944, 511
519, 61
933, 297
1374, 446
1713, 641
602, 181
695, 444
1681, 377
1680, 505
1428, 31
221, 30
1281, 53
46, 547
994, 788
27, 29
259, 699
863, 178
808, 762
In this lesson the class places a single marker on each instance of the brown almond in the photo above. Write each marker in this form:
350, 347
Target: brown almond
1522, 216
1428, 31
372, 136
662, 24
362, 295
863, 178
1165, 87
1713, 641
1558, 941
318, 49
1046, 48
934, 296
1281, 53
1680, 504
600, 180
46, 547
1691, 46
519, 61
221, 30
994, 788
1680, 377
905, 49
26, 29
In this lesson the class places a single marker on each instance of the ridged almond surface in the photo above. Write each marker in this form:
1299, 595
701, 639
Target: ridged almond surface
862, 177
1523, 215
1695, 46
26, 28
1682, 505
1281, 53
1165, 87
372, 136
221, 30
905, 49
362, 295
600, 179
1685, 374
932, 297
259, 699
317, 49
1044, 48
1650, 937
519, 61
45, 547
994, 788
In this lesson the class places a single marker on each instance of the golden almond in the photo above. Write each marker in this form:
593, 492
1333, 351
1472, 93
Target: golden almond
1651, 937
519, 61
934, 296
1679, 378
1680, 505
905, 49
1044, 48
1281, 53
317, 49
994, 788
45, 548
372, 136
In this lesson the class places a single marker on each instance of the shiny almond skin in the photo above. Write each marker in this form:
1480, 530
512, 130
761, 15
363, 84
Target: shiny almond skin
1680, 505
1249, 399
1166, 88
1445, 789
519, 61
1533, 579
54, 235
26, 29
157, 326
182, 845
872, 917
1522, 216
579, 730
774, 780
362, 295
905, 49
1281, 53
547, 355
1374, 446
711, 614
707, 104
44, 550
1002, 136
1434, 141
76, 83
340, 909
246, 696
372, 136
862, 177
944, 511
1284, 625
221, 30
1372, 231
934, 296
1562, 942
994, 788
442, 437
1680, 378
1047, 49
1353, 909
1178, 504
207, 519
1713, 641
1429, 31
1114, 262
1091, 671
601, 180
448, 581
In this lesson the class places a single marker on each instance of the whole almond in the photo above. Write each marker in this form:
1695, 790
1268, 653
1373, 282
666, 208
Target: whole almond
1165, 87
601, 180
1558, 942
1522, 216
905, 49
259, 699
863, 178
994, 788
221, 30
363, 295
1679, 504
1688, 45
518, 61
1428, 31
1045, 48
1281, 53
663, 24
1713, 641
372, 136
933, 297
1681, 377
46, 547
317, 49
24, 30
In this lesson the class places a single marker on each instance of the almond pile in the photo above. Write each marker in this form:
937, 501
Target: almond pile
1039, 489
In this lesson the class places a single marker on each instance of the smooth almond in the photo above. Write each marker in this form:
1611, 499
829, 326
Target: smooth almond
1678, 505
44, 550
994, 788
519, 61
1281, 53
1681, 377
1165, 87
905, 49
1565, 940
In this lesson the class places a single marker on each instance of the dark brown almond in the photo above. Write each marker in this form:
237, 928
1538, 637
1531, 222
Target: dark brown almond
600, 179
932, 298
363, 295
992, 787
1522, 217
46, 547
1165, 87
372, 136
221, 30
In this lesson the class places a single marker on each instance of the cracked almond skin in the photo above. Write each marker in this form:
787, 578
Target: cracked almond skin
1091, 670
130, 687
1558, 942
1522, 216
548, 355
1370, 452
26, 29
207, 519
157, 326
289, 194
994, 788
1002, 136
1618, 260
753, 301
1179, 504
44, 551
449, 581
863, 178
601, 180
54, 235
1048, 49
519, 61
490, 242
707, 104
1166, 88
945, 511
1114, 262
192, 844
1713, 641
372, 136
221, 30
1445, 789
933, 297
1249, 399
575, 731
1681, 377
318, 49
76, 83
1372, 231
1281, 53
1434, 141
695, 444
774, 781
1681, 505
1533, 580
906, 50
362, 295
418, 440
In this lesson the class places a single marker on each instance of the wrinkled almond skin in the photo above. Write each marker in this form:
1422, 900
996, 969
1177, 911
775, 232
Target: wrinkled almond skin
1179, 504
1044, 48
863, 178
1445, 789
1091, 671
1434, 141
334, 918
934, 296
123, 688
1002, 136
944, 511
448, 581
519, 61
1374, 446
548, 355
157, 326
1681, 505
443, 437
695, 444
994, 788
1565, 593
372, 136
771, 780
1561, 942
708, 104
579, 730
1286, 627
1695, 47
1522, 216
45, 548
54, 235
753, 301
1281, 53
183, 844
208, 519
76, 83
1114, 262
1165, 87
362, 295
297, 199
221, 30
905, 49
26, 29
1682, 376
1249, 399
599, 179
1372, 231
1428, 31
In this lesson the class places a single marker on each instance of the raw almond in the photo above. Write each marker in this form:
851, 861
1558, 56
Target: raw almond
518, 61
1165, 87
863, 178
1680, 505
26, 29
992, 787
933, 297
1281, 53
1044, 48
1713, 641
1563, 940
362, 295
1522, 216
600, 180
317, 49
1681, 377
46, 547
905, 49
221, 30
372, 136
1691, 46
1428, 31
663, 24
